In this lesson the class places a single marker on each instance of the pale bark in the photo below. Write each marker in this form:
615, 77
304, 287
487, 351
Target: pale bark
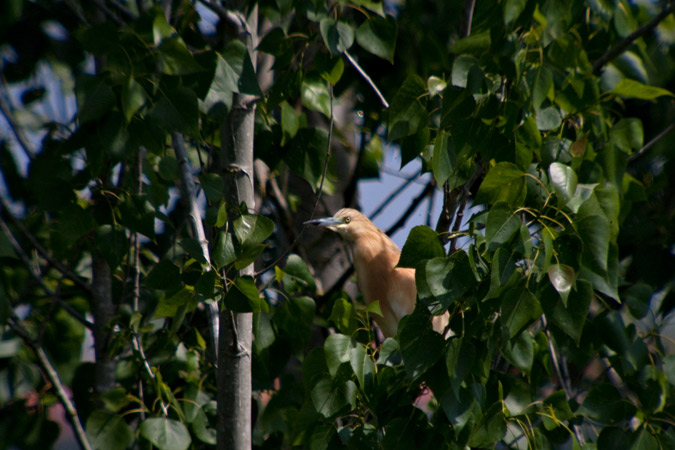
236, 329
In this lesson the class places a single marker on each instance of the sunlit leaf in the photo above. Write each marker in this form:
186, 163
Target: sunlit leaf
338, 36
634, 89
378, 36
166, 434
422, 243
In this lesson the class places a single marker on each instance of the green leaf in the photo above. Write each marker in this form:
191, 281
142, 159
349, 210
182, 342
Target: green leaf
175, 59
562, 279
108, 431
644, 440
421, 346
669, 368
194, 249
223, 251
436, 85
519, 309
407, 113
225, 82
166, 434
307, 154
476, 44
331, 396
170, 303
164, 275
501, 225
594, 232
441, 281
316, 96
338, 36
290, 122
548, 118
543, 86
200, 427
177, 110
634, 89
503, 182
463, 409
422, 244
337, 350
330, 69
243, 295
343, 316
373, 5
512, 10
519, 351
94, 97
378, 36
442, 161
461, 67
652, 389
294, 317
362, 365
628, 134
564, 181
295, 276
459, 360
113, 244
252, 229
133, 98
604, 404
237, 57
213, 186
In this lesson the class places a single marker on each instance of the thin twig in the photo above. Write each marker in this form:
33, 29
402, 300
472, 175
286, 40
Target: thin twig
562, 380
189, 195
653, 142
65, 271
459, 216
470, 6
413, 206
234, 17
50, 372
365, 76
318, 194
628, 40
394, 194
38, 278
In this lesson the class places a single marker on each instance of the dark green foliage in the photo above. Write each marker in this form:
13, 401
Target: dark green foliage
559, 290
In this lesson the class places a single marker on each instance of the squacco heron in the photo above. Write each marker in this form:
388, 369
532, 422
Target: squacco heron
375, 257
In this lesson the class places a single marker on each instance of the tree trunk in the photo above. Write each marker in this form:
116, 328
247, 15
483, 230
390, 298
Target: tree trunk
103, 310
236, 329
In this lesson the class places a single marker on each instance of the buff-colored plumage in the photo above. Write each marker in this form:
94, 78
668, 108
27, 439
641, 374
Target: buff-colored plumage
375, 257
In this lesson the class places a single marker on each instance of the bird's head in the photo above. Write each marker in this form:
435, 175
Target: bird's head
347, 222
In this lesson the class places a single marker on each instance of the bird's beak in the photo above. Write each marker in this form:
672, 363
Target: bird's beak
328, 222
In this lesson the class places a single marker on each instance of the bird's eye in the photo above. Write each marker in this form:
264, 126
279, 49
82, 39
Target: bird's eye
348, 219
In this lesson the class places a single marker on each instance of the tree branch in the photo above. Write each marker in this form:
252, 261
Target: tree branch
563, 381
628, 40
50, 372
65, 271
653, 142
428, 189
188, 193
38, 278
369, 80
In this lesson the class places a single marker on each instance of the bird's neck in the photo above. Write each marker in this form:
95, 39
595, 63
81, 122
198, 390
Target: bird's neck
378, 248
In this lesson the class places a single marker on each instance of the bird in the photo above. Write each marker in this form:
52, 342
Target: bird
375, 257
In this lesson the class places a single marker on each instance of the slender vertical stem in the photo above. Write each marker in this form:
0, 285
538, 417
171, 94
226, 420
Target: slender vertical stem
50, 372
